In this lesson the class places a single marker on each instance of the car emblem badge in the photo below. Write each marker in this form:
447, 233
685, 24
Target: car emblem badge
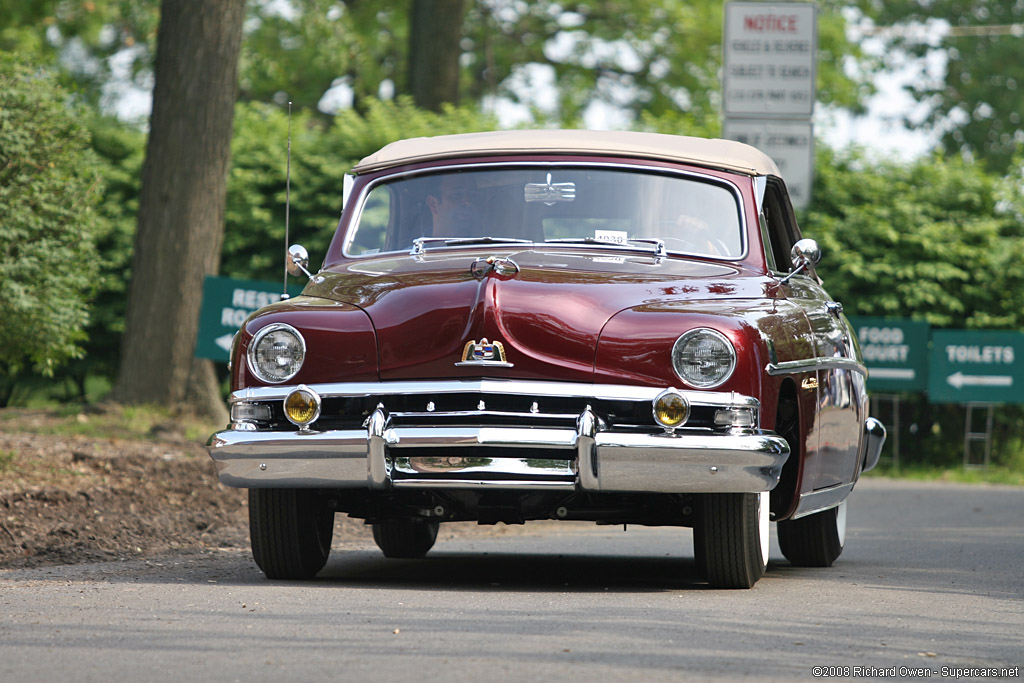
484, 352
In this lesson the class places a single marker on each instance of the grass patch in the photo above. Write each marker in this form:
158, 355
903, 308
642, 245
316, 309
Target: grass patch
993, 474
7, 460
109, 420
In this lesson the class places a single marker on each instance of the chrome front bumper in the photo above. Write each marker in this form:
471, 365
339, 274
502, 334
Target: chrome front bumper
386, 455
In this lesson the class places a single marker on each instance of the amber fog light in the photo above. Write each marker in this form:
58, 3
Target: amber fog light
302, 406
671, 409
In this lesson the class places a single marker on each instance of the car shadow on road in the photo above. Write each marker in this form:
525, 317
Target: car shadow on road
514, 571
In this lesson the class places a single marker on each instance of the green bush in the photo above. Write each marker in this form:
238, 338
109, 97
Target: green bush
935, 239
49, 186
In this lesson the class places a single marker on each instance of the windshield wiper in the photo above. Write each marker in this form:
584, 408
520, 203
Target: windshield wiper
659, 245
419, 244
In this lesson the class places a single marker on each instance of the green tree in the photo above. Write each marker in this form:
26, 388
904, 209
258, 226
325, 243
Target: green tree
978, 103
80, 38
322, 153
932, 239
48, 190
181, 205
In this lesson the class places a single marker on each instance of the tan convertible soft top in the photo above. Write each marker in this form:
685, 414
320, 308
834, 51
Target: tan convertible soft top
724, 154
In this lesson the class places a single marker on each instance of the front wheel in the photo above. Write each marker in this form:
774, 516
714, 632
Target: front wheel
731, 538
290, 531
815, 540
405, 538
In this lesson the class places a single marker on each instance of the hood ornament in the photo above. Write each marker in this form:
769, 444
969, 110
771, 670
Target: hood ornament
491, 354
501, 267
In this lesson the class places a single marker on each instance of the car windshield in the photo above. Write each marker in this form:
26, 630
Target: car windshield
586, 206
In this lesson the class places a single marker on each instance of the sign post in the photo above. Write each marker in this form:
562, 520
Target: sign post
227, 302
768, 84
984, 366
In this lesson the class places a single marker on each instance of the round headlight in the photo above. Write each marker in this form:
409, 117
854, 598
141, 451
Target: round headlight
703, 358
276, 353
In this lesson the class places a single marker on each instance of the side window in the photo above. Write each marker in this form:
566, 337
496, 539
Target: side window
779, 226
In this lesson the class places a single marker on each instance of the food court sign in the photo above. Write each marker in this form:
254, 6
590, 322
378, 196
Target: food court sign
895, 352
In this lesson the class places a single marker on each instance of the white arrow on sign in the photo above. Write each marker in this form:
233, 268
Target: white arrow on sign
891, 373
960, 380
224, 342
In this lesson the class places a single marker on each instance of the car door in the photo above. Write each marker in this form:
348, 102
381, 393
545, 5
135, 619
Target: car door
833, 442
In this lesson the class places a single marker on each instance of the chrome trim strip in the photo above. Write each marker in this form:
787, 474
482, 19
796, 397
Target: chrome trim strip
460, 437
483, 363
600, 392
818, 501
580, 163
792, 367
524, 468
483, 413
515, 485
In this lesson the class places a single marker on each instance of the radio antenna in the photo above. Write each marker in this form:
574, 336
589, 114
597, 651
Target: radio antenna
287, 203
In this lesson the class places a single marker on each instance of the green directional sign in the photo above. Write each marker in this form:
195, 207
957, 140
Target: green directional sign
895, 351
977, 365
227, 302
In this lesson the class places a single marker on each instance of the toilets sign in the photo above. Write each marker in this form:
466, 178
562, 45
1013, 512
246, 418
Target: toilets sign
227, 302
977, 365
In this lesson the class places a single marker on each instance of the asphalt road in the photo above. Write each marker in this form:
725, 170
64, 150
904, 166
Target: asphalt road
931, 577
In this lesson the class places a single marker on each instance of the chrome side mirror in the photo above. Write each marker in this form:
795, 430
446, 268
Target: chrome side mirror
805, 254
297, 261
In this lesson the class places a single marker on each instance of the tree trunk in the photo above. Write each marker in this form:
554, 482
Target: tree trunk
181, 203
435, 30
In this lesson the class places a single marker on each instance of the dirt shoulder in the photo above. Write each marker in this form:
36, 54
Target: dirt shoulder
73, 498
68, 498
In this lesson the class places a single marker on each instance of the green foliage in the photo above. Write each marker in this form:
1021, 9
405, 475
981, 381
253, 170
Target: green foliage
977, 105
648, 57
299, 54
49, 186
120, 151
932, 239
79, 38
935, 239
321, 156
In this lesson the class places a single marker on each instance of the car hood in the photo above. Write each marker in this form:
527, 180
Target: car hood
546, 307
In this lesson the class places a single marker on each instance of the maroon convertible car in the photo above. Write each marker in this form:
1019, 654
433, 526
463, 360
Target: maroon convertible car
619, 327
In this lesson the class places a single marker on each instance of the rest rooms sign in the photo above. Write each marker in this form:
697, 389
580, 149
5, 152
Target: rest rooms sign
895, 351
977, 365
768, 59
227, 302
